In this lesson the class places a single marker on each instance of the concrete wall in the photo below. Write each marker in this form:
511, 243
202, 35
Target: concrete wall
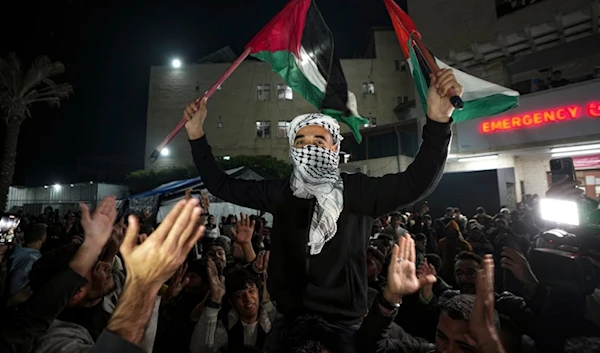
532, 171
454, 25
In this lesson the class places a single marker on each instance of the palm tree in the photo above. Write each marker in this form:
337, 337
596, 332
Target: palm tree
19, 91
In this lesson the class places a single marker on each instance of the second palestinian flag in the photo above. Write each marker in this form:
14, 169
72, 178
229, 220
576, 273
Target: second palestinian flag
299, 46
481, 98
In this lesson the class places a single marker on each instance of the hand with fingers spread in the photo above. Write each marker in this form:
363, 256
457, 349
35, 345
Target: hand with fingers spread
155, 260
215, 282
439, 107
150, 264
261, 263
402, 273
98, 226
97, 229
426, 273
177, 283
244, 229
195, 114
482, 323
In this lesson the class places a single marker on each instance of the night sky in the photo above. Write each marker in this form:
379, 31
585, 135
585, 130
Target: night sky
108, 48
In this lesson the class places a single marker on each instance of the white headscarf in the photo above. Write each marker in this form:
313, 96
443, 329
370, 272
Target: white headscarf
316, 174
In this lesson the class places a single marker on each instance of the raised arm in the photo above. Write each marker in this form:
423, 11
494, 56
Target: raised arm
248, 193
379, 196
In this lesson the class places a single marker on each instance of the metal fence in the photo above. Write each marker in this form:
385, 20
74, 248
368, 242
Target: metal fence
63, 197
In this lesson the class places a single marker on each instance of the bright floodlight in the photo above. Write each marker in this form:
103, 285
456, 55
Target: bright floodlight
165, 152
56, 186
560, 211
176, 63
226, 158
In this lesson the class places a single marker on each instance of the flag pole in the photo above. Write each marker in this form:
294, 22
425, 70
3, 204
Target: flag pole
156, 153
456, 101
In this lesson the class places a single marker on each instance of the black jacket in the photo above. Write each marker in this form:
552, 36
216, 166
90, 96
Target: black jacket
333, 283
379, 334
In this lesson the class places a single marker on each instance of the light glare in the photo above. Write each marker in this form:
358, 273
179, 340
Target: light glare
560, 211
165, 152
176, 63
479, 158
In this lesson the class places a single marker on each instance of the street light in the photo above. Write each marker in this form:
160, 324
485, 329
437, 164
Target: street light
176, 63
165, 152
57, 187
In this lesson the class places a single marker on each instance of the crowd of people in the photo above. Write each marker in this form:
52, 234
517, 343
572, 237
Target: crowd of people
329, 275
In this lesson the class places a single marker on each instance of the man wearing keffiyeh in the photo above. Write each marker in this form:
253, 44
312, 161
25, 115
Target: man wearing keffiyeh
322, 218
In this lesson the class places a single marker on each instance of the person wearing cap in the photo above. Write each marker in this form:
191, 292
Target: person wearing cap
322, 218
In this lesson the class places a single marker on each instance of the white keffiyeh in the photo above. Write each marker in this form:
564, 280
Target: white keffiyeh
316, 174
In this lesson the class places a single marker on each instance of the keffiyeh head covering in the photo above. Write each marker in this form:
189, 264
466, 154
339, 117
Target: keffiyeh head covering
316, 174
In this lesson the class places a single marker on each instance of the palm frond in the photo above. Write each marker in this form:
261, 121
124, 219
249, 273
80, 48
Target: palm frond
19, 90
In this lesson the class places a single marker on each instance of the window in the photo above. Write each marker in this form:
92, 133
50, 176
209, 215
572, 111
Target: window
397, 65
282, 129
263, 129
284, 93
263, 92
402, 99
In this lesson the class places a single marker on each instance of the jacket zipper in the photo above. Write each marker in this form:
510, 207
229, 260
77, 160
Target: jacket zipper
307, 238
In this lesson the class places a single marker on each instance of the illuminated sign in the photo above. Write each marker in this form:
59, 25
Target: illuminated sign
540, 118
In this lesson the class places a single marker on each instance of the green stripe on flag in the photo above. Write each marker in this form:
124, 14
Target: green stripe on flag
283, 62
485, 106
477, 108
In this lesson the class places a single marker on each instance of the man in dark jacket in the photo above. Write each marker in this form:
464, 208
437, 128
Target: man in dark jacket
322, 219
466, 322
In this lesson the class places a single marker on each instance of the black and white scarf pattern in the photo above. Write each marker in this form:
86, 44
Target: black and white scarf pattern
316, 174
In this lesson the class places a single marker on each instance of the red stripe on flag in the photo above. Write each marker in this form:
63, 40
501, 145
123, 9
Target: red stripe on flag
284, 31
403, 25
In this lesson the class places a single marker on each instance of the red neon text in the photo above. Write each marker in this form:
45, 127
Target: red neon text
539, 118
594, 110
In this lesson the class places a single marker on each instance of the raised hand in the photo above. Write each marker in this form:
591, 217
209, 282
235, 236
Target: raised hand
177, 282
155, 260
195, 114
402, 274
427, 277
439, 107
98, 226
261, 263
516, 263
215, 282
482, 324
244, 229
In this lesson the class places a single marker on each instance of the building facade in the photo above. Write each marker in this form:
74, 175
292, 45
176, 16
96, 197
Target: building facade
548, 50
249, 115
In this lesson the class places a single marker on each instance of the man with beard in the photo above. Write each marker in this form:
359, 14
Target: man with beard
467, 323
321, 218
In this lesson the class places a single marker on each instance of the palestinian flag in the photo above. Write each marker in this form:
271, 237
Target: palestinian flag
299, 46
481, 98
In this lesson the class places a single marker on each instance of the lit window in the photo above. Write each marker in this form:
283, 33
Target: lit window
284, 93
282, 129
263, 92
263, 129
